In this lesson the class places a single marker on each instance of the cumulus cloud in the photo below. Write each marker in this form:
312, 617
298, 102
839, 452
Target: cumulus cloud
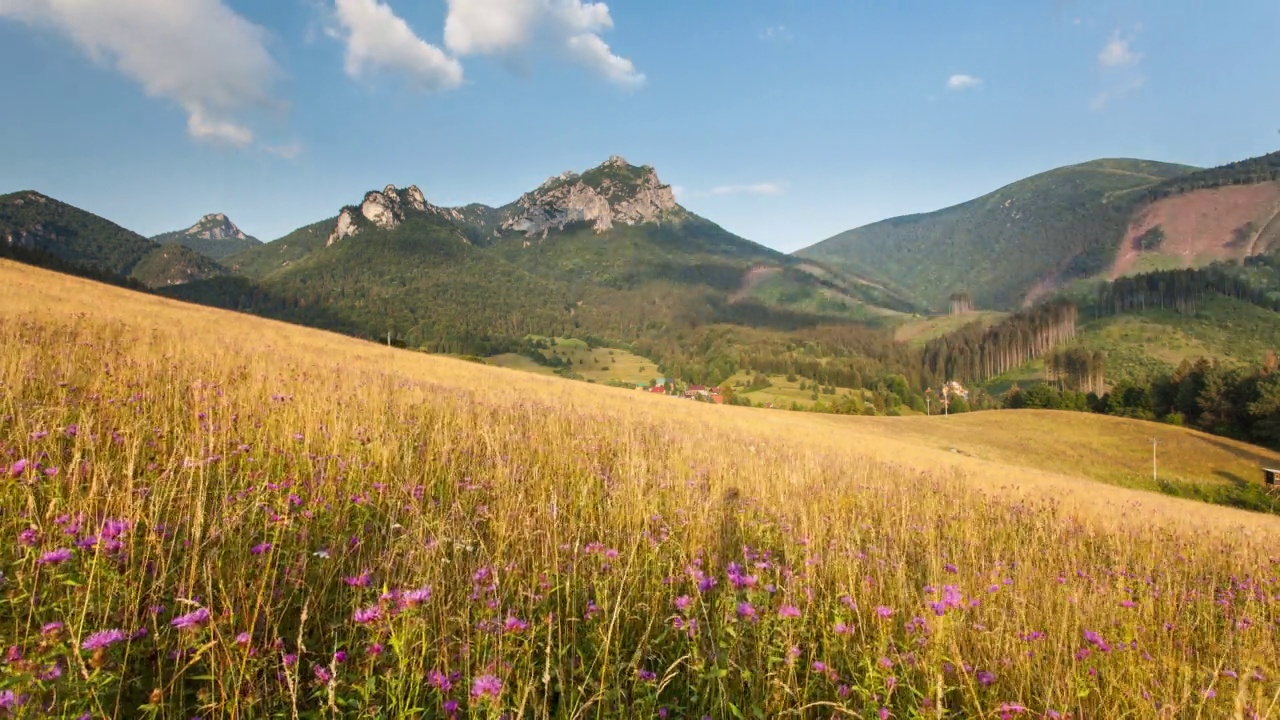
377, 38
571, 27
1117, 53
200, 54
962, 81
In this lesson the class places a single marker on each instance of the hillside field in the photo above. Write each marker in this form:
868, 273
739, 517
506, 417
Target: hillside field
600, 364
203, 512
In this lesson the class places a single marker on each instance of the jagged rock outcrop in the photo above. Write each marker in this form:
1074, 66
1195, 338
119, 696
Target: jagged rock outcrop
384, 209
215, 226
613, 193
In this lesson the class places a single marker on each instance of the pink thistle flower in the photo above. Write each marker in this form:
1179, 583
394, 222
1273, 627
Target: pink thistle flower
486, 686
102, 639
789, 611
191, 620
54, 557
364, 616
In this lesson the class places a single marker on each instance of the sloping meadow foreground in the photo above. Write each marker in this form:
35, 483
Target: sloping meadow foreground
204, 514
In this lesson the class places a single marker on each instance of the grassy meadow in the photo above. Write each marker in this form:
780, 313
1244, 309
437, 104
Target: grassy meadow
204, 514
600, 364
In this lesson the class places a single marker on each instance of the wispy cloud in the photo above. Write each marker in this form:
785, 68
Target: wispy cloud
1106, 97
1121, 69
377, 38
764, 188
962, 81
760, 189
1118, 53
572, 28
777, 34
199, 54
287, 151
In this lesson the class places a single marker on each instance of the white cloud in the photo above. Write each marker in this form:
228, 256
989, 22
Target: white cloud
962, 82
572, 27
591, 51
377, 38
778, 34
1117, 53
198, 53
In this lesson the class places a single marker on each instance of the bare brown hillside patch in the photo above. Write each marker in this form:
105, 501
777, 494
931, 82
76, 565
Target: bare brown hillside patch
1203, 226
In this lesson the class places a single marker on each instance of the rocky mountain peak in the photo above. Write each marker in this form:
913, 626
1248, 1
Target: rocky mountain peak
215, 226
385, 209
615, 192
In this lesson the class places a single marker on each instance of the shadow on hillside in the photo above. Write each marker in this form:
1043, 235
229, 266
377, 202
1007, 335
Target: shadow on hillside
1257, 459
243, 295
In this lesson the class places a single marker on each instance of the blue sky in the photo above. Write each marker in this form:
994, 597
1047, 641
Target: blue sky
786, 121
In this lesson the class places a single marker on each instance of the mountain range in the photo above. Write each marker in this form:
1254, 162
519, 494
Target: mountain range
608, 253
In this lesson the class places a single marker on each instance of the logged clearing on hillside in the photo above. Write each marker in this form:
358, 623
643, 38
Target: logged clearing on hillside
208, 513
1202, 226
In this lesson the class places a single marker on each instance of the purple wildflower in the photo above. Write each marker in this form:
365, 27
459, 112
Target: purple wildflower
55, 556
884, 612
364, 616
18, 468
340, 657
439, 681
789, 611
260, 548
361, 580
102, 638
515, 625
682, 603
29, 537
986, 677
50, 628
746, 611
289, 660
322, 674
244, 638
486, 686
191, 620
646, 675
416, 597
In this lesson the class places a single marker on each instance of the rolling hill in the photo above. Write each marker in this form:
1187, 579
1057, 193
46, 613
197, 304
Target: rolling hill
359, 515
1001, 246
1097, 220
46, 231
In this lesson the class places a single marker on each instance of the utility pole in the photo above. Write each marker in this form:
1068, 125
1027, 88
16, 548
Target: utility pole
388, 338
1154, 442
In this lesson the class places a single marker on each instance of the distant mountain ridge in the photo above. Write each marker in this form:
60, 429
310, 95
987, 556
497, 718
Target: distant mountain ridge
34, 222
608, 250
1007, 245
213, 235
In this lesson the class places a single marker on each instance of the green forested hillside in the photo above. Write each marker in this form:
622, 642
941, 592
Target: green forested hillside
265, 258
998, 247
174, 264
34, 221
215, 248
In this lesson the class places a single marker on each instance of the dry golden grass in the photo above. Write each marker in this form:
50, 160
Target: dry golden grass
568, 534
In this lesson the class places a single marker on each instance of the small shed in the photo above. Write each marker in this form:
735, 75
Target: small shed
1270, 475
